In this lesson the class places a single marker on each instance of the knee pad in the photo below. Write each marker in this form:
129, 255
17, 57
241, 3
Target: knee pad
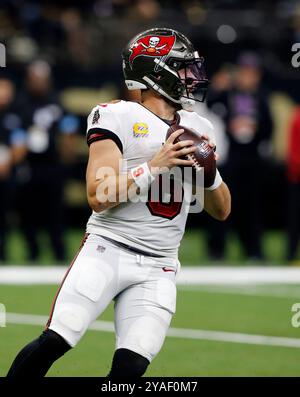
127, 363
70, 320
146, 334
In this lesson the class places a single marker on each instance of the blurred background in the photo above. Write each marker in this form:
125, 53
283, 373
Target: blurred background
63, 58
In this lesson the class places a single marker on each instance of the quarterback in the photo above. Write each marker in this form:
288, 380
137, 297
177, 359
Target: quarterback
129, 254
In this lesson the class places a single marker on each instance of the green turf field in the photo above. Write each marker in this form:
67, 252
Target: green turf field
193, 250
262, 310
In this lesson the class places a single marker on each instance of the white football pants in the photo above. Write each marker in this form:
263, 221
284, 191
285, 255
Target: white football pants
142, 287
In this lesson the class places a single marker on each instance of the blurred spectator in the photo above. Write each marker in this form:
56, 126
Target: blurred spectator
246, 113
221, 82
78, 40
42, 177
12, 151
293, 173
146, 10
216, 231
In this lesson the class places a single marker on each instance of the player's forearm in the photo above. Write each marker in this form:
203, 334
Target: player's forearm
115, 189
109, 192
218, 202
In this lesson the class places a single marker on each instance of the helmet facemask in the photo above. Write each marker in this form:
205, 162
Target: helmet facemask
182, 81
192, 76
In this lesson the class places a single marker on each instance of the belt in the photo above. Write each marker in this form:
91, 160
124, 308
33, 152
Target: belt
130, 248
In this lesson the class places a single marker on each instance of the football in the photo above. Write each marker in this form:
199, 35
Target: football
204, 156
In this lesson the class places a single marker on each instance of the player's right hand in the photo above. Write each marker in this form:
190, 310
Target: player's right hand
172, 154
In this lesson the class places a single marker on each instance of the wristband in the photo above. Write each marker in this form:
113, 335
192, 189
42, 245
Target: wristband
217, 182
142, 176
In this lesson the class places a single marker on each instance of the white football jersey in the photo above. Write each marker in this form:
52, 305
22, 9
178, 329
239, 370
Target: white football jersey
155, 226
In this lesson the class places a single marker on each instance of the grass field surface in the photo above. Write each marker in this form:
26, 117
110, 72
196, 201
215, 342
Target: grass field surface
206, 317
193, 250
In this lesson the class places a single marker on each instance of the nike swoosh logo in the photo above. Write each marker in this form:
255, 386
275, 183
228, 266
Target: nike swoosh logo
166, 269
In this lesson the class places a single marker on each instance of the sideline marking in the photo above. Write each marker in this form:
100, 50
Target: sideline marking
184, 333
202, 275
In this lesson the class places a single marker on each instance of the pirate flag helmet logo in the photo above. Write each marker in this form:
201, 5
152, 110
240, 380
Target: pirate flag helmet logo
152, 46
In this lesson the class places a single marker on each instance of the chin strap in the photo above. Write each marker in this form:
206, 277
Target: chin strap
158, 89
187, 103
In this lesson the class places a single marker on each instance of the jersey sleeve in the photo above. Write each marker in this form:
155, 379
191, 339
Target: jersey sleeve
103, 123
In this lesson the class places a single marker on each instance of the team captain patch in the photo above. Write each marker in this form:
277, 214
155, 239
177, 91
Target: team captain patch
140, 130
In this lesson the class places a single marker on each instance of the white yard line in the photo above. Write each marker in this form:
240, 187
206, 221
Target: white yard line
245, 275
242, 275
264, 291
184, 333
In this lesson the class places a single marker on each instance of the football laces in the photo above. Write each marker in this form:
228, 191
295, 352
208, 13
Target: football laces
195, 164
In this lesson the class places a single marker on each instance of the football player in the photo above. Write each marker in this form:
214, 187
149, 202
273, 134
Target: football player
130, 251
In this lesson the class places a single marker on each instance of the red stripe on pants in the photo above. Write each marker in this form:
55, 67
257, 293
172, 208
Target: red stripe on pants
64, 279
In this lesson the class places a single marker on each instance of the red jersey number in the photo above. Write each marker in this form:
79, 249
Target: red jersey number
157, 203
